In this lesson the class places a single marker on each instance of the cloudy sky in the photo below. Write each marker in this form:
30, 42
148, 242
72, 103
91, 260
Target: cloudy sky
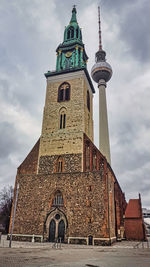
30, 32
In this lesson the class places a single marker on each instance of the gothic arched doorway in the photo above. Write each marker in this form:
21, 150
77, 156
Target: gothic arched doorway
61, 230
52, 231
55, 226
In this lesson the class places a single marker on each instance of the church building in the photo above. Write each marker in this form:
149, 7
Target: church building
67, 188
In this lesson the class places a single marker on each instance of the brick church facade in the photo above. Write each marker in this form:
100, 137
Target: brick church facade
67, 189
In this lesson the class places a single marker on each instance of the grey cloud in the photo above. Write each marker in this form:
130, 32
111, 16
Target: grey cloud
115, 4
130, 153
9, 141
134, 30
19, 63
128, 158
135, 182
133, 20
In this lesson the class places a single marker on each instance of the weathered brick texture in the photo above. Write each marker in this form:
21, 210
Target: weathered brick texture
30, 164
72, 163
36, 192
134, 223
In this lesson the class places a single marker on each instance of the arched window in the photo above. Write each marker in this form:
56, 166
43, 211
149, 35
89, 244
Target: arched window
58, 199
62, 118
88, 100
70, 33
87, 156
64, 92
60, 164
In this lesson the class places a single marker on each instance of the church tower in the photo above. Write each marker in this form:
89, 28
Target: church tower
64, 188
68, 111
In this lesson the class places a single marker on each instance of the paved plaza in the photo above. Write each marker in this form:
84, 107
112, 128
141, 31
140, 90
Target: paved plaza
121, 254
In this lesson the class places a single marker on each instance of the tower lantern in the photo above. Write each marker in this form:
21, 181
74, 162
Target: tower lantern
101, 73
71, 52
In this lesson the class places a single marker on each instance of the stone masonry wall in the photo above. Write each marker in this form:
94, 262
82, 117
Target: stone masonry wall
85, 203
71, 163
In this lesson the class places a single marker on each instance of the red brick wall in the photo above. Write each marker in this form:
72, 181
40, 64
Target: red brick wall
99, 157
120, 207
134, 224
29, 165
134, 229
117, 202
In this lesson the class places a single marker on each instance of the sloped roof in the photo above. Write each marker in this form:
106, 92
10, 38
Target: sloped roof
133, 209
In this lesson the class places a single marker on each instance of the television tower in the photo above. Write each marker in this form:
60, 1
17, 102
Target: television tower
101, 73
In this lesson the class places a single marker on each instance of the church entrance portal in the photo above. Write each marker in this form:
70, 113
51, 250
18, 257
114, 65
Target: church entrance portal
57, 228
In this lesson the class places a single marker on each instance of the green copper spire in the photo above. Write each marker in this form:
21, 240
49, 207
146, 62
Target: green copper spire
74, 18
71, 53
72, 31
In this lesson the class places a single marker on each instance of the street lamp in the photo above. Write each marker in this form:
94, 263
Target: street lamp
14, 212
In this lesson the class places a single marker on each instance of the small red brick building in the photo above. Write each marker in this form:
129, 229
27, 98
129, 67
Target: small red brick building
134, 224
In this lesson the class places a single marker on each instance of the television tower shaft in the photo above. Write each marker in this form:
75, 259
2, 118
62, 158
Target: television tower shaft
101, 73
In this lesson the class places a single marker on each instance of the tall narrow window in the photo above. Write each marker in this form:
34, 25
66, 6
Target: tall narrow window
60, 164
61, 117
62, 121
61, 96
77, 33
64, 92
94, 161
67, 94
90, 188
70, 33
87, 156
88, 100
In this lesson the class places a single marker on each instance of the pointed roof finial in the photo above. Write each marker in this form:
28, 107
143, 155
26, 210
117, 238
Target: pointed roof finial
74, 11
99, 23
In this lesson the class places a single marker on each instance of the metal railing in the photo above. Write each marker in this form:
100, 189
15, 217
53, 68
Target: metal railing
57, 244
142, 244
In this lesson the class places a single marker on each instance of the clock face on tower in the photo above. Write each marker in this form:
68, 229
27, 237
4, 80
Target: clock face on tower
68, 54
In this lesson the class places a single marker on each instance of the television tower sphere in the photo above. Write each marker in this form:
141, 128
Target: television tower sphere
101, 69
